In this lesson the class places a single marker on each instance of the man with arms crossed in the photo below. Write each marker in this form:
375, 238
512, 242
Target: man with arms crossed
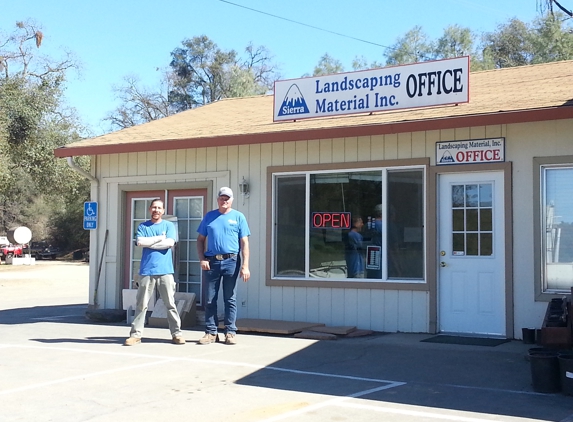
157, 237
227, 234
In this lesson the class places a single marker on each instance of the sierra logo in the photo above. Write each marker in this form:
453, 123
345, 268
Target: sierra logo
293, 103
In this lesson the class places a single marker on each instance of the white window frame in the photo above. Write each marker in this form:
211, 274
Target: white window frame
384, 170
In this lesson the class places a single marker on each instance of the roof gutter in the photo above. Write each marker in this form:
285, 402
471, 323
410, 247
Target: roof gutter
81, 171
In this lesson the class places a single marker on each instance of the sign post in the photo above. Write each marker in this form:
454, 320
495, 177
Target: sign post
90, 215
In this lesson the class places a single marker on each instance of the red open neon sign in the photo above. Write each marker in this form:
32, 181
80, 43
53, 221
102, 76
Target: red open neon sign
331, 220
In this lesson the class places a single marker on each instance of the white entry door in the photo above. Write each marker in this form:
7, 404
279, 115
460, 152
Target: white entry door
471, 268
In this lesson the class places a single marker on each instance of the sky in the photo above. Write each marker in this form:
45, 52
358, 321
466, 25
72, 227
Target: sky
115, 38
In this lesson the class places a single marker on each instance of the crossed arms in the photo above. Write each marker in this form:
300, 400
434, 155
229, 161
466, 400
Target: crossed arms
155, 242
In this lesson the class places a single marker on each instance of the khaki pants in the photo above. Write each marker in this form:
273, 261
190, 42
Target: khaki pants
166, 287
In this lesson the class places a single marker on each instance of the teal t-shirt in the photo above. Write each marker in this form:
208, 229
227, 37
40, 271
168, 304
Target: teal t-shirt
223, 231
156, 261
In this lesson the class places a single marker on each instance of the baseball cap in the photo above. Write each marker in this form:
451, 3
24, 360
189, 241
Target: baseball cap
225, 191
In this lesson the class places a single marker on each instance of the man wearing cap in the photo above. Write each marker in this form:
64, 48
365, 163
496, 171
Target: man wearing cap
227, 234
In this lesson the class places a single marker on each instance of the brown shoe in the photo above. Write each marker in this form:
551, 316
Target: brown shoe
208, 339
132, 341
178, 340
230, 338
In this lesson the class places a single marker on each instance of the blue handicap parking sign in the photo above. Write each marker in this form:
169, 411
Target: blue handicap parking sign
90, 215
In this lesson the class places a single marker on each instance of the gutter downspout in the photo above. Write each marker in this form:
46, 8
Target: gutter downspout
93, 239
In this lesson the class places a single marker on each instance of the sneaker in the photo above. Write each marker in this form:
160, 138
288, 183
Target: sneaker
208, 339
132, 341
230, 338
178, 340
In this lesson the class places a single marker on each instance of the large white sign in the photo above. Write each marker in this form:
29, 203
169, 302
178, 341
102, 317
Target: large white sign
391, 88
470, 152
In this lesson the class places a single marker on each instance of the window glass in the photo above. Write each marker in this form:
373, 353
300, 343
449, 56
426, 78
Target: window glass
405, 224
352, 227
290, 226
346, 222
557, 228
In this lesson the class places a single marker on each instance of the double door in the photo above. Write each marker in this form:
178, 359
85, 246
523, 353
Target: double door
189, 207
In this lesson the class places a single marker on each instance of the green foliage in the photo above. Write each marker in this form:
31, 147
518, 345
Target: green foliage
327, 65
36, 189
415, 46
203, 73
514, 43
511, 45
553, 40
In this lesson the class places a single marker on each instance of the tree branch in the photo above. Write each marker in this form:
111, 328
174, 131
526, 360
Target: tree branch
567, 12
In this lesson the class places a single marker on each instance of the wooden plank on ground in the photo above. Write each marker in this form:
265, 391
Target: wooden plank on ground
359, 333
314, 335
341, 331
273, 327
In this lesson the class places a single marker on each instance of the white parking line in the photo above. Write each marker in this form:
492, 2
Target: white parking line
83, 376
341, 401
415, 413
333, 402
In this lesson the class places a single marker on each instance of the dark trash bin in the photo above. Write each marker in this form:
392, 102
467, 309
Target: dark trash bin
566, 373
545, 371
528, 335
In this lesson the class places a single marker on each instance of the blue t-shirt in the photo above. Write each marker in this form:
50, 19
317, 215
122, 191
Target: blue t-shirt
223, 231
156, 261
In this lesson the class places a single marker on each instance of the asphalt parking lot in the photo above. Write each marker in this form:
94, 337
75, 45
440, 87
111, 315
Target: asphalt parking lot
56, 365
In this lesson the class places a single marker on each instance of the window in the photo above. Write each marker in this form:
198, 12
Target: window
472, 225
557, 227
363, 224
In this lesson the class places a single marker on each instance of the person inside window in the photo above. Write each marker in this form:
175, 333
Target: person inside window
354, 250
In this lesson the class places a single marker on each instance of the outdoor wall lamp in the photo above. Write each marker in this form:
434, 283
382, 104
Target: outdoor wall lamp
244, 189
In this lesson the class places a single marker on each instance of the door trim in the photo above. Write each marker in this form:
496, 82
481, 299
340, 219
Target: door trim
432, 250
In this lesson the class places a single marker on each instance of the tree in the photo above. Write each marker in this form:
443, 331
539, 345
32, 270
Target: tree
553, 40
327, 65
511, 45
203, 73
544, 5
456, 41
139, 104
34, 185
413, 47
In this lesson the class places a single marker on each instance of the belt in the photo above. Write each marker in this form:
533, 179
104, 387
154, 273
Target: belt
220, 257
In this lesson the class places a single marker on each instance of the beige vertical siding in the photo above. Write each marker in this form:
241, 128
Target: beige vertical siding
377, 309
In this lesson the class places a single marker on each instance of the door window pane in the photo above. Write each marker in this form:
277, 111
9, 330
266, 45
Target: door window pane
189, 212
472, 219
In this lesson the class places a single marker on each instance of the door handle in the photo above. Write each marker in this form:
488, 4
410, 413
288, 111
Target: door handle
443, 264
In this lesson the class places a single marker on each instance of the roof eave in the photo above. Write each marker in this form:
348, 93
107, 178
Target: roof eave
453, 122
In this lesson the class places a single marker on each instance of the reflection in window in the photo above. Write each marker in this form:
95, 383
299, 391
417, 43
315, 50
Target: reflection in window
290, 226
352, 226
358, 193
557, 226
405, 224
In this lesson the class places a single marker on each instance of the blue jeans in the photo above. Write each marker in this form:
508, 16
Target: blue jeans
227, 271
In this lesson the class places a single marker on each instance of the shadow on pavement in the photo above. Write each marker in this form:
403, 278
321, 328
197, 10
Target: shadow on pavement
69, 314
454, 377
100, 340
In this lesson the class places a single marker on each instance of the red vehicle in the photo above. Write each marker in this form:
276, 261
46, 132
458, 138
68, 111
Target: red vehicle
11, 250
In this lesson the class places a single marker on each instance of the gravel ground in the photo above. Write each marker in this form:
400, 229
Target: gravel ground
45, 283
